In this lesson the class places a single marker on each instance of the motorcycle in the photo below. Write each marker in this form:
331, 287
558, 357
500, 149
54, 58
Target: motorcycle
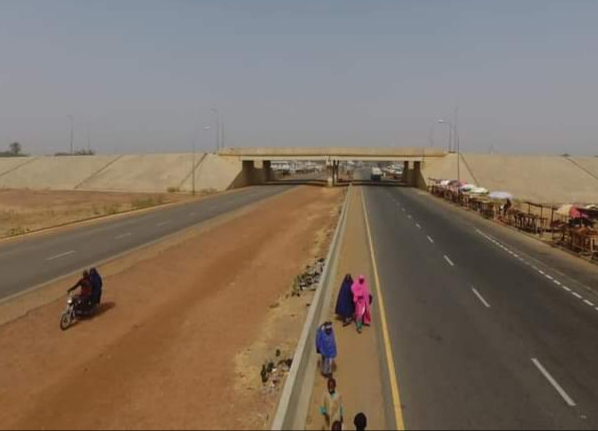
75, 310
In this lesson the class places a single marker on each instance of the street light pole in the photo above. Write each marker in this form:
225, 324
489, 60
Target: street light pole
72, 122
450, 124
215, 111
457, 145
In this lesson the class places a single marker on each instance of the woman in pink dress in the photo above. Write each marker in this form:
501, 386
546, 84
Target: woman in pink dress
361, 299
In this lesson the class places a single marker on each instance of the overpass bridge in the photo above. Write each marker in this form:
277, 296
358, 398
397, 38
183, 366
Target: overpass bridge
413, 159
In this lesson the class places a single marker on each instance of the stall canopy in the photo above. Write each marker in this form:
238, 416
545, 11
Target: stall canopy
501, 195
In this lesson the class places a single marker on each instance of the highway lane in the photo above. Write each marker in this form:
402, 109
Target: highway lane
484, 335
30, 261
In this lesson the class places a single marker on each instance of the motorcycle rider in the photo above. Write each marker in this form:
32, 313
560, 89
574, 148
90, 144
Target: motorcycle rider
96, 286
86, 289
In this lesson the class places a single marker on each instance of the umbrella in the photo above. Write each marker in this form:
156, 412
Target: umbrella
570, 211
565, 210
468, 187
501, 195
479, 191
445, 183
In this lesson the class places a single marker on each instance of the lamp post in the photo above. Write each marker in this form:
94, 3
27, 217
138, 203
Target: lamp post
72, 123
450, 124
193, 162
215, 111
454, 139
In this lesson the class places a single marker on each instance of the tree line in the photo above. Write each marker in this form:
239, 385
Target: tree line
16, 150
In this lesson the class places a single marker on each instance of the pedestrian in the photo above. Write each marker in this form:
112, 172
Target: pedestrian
326, 347
337, 426
332, 405
362, 300
360, 422
345, 308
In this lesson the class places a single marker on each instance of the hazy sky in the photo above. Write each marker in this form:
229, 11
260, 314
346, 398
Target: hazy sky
143, 75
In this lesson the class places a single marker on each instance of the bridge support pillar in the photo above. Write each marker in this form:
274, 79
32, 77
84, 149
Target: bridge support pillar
268, 173
406, 173
416, 175
330, 173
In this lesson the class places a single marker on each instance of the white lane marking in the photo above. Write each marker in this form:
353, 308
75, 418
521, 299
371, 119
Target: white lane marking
164, 223
480, 297
558, 283
450, 262
431, 240
409, 216
516, 256
403, 209
550, 277
541, 272
554, 383
58, 256
591, 304
418, 226
566, 288
577, 295
124, 235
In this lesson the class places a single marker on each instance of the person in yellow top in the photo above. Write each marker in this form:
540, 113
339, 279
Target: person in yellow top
332, 405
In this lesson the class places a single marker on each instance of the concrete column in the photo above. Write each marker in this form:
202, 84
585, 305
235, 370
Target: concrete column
330, 172
416, 178
268, 174
335, 173
406, 173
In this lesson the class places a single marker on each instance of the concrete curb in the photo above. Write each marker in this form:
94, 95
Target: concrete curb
293, 405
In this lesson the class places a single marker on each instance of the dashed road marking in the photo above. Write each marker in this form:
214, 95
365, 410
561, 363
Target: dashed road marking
164, 223
480, 297
535, 268
554, 383
431, 240
58, 256
124, 235
450, 262
418, 226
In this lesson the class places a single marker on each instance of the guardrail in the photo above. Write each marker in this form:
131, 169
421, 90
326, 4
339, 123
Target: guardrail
293, 405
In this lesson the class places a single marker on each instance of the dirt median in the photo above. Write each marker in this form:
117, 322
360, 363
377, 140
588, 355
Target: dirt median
182, 334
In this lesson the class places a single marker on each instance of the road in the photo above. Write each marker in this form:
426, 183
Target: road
30, 261
486, 334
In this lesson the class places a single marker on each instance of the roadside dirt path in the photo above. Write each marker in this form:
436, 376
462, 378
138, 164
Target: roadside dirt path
182, 334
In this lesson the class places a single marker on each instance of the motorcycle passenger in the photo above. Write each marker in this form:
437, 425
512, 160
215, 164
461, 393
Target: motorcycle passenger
86, 289
96, 286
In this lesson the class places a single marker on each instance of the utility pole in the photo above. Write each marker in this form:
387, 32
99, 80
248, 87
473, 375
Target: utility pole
222, 145
88, 141
457, 145
72, 122
217, 134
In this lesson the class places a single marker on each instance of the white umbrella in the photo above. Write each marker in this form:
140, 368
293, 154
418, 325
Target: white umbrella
479, 191
501, 195
468, 187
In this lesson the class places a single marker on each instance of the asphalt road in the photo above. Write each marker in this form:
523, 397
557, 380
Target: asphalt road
30, 261
486, 334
